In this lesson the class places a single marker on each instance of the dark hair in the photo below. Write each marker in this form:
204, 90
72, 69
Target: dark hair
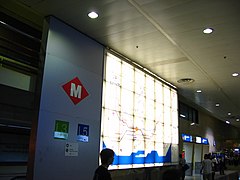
106, 154
206, 156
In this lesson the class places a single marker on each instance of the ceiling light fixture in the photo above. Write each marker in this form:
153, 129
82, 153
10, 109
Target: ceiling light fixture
229, 113
227, 122
199, 91
237, 119
235, 74
2, 22
217, 104
208, 30
186, 81
92, 15
182, 115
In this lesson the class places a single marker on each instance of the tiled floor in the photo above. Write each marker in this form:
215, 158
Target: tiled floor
193, 177
231, 169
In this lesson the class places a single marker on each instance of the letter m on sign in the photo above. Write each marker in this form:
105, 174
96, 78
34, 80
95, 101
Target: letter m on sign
75, 90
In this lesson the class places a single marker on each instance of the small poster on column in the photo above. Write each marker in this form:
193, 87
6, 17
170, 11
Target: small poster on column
71, 149
61, 129
83, 133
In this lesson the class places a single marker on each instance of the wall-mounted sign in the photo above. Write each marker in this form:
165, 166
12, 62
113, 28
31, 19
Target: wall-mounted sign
61, 129
198, 140
83, 132
187, 138
75, 90
204, 141
71, 149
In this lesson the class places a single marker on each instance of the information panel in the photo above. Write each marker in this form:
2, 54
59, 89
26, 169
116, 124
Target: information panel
139, 117
61, 129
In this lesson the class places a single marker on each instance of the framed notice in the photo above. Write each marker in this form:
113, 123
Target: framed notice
71, 149
61, 129
83, 133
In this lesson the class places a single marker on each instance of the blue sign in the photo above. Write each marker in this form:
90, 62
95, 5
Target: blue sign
83, 132
204, 141
186, 138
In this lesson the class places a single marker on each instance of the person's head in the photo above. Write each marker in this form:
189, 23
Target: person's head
107, 156
206, 156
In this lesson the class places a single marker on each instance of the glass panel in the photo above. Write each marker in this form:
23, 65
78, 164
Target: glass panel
113, 70
167, 96
159, 132
112, 96
150, 109
174, 118
167, 133
159, 92
174, 135
127, 77
127, 101
15, 79
167, 116
149, 87
139, 83
159, 112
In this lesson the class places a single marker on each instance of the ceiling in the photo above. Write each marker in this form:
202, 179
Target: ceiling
165, 37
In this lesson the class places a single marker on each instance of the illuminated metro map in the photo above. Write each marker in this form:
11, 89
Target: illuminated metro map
139, 117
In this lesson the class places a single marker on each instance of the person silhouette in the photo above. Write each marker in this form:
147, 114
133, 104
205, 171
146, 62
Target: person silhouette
102, 173
206, 169
182, 163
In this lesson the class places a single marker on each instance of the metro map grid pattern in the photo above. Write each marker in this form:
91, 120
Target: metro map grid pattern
139, 117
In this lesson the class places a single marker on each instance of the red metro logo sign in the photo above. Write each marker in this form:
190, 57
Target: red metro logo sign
75, 90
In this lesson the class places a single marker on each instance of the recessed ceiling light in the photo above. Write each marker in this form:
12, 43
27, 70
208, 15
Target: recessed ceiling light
235, 74
227, 122
182, 115
208, 31
229, 114
93, 15
199, 91
186, 80
217, 104
237, 119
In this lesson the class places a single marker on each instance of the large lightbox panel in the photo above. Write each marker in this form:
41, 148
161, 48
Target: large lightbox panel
139, 117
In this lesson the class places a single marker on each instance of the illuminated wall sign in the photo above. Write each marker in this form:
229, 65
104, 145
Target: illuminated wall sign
236, 150
139, 117
83, 133
198, 140
75, 90
204, 141
189, 138
61, 129
201, 140
186, 138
